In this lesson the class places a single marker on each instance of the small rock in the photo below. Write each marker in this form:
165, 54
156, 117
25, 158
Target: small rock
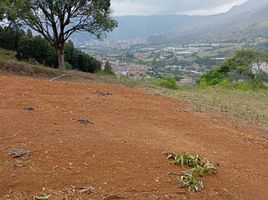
86, 190
18, 163
28, 108
18, 153
84, 121
100, 93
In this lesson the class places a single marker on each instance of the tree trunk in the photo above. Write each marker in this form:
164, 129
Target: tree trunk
60, 54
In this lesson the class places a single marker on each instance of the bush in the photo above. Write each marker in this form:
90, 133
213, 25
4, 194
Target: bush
168, 82
108, 69
213, 77
68, 66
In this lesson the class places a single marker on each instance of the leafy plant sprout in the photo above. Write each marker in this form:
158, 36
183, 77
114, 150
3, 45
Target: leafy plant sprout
200, 167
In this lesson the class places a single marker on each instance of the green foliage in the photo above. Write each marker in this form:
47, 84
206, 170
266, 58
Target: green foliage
203, 170
108, 68
35, 48
86, 63
166, 82
190, 181
262, 76
249, 105
213, 77
238, 67
57, 20
2, 9
68, 66
226, 84
80, 60
9, 37
7, 54
251, 85
38, 49
199, 167
10, 10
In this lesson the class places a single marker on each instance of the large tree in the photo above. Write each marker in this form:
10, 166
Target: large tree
57, 20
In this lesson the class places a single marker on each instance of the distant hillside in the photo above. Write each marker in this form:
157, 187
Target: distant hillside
143, 26
248, 6
242, 21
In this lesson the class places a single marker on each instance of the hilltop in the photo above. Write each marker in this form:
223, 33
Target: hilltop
112, 138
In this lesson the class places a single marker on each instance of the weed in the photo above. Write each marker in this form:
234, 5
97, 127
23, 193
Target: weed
207, 169
185, 159
199, 167
190, 181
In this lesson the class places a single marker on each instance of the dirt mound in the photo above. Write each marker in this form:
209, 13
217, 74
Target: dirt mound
84, 145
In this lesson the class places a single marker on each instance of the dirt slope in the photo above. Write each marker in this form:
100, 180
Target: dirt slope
120, 151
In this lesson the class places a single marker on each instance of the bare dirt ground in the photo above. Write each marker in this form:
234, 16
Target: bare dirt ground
118, 151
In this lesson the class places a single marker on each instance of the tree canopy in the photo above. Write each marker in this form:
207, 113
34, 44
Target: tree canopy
57, 20
9, 11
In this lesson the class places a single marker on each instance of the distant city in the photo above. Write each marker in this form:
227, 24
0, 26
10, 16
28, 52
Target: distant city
138, 59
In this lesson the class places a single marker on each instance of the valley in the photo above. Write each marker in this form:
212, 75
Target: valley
185, 62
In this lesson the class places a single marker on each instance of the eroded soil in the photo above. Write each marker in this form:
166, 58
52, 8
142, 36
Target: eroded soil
112, 138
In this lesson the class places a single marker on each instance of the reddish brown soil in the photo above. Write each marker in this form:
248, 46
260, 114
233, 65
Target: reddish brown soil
121, 152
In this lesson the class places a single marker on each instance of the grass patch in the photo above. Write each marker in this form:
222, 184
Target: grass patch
249, 105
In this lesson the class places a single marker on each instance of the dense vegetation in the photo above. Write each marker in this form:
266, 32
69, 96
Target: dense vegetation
35, 48
242, 69
56, 21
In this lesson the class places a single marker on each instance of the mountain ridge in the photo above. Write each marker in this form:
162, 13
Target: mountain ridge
170, 28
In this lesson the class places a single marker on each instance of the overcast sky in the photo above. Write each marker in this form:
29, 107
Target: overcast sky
168, 7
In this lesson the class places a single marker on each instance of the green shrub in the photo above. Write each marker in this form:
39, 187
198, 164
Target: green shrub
213, 77
68, 66
166, 82
226, 84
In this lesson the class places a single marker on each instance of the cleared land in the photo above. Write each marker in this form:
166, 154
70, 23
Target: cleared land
119, 149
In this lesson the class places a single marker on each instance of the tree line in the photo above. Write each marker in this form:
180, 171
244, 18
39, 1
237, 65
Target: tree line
36, 48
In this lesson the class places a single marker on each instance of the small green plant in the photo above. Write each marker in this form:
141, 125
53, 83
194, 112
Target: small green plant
166, 82
207, 169
185, 159
199, 167
189, 180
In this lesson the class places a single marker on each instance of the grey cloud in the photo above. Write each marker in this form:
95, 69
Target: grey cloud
169, 6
